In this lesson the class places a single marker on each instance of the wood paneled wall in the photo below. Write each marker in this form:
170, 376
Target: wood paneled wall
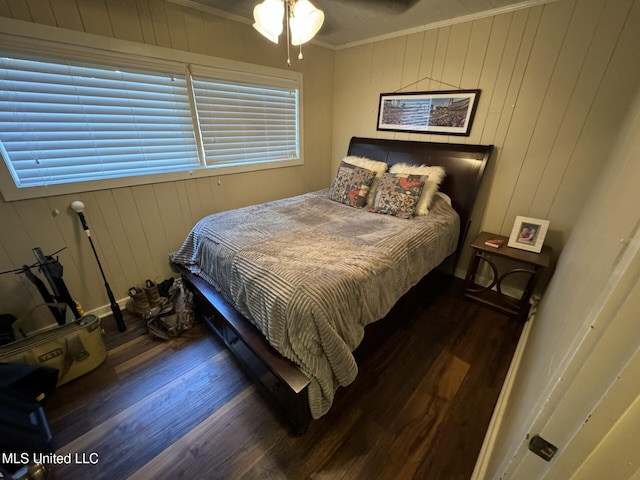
556, 80
135, 228
555, 83
578, 373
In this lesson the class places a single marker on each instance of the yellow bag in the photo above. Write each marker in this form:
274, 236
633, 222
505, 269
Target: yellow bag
74, 348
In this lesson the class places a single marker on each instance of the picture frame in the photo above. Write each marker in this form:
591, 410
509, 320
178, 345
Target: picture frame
444, 112
528, 234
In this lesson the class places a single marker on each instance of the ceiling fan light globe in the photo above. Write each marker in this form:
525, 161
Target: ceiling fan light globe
268, 35
268, 19
306, 20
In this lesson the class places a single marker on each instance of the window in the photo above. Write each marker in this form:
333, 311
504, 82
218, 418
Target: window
246, 123
62, 123
86, 120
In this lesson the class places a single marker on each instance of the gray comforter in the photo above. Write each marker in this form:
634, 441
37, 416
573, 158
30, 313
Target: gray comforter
311, 273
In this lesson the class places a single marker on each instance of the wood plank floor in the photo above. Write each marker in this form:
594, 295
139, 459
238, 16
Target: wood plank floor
419, 407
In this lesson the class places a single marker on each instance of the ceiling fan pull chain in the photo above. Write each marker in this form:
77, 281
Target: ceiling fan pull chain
288, 7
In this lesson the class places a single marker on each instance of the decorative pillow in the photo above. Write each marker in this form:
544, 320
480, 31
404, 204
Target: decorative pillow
398, 194
444, 196
375, 165
351, 185
435, 176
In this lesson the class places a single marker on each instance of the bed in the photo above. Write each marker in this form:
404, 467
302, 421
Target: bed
291, 285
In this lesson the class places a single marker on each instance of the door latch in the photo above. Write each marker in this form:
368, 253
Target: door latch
542, 448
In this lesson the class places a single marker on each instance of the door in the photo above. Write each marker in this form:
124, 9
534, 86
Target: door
594, 424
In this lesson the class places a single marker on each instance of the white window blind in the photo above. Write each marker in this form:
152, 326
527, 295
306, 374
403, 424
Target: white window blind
246, 123
63, 123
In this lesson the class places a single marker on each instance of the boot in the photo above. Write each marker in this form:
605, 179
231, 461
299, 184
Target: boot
151, 291
138, 303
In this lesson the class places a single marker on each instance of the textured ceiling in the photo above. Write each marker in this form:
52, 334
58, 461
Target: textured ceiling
355, 21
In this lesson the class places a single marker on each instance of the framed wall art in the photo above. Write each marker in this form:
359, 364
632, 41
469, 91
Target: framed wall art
447, 112
528, 234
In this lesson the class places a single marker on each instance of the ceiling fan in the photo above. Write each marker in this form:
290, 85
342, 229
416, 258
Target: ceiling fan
302, 20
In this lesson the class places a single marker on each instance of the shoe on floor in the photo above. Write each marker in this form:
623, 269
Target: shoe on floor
138, 303
151, 290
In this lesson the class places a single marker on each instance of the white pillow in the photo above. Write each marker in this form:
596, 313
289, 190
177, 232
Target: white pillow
375, 165
435, 176
445, 197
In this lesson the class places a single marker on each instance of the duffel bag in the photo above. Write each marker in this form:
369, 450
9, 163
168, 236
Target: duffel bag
74, 348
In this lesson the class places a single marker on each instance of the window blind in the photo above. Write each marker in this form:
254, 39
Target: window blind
62, 123
246, 123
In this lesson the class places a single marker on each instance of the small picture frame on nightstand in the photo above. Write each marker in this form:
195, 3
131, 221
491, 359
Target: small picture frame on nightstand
528, 234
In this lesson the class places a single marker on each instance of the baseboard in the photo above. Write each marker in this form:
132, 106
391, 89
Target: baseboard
460, 273
105, 310
488, 445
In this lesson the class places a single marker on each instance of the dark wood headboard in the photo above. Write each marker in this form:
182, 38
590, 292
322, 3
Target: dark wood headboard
464, 165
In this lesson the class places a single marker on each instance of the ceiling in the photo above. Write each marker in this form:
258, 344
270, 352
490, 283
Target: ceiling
351, 22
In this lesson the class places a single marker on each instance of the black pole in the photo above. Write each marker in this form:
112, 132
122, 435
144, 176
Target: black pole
115, 308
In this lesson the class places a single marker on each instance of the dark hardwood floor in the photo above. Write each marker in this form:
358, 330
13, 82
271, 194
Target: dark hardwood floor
183, 409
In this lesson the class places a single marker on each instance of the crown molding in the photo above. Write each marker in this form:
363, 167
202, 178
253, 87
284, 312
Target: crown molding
446, 23
212, 11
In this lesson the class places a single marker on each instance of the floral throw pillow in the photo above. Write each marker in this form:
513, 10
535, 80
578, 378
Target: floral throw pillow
351, 185
435, 175
398, 194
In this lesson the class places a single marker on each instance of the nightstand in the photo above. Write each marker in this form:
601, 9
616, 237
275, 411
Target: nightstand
531, 264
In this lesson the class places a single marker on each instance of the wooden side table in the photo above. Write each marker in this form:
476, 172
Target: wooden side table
533, 264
